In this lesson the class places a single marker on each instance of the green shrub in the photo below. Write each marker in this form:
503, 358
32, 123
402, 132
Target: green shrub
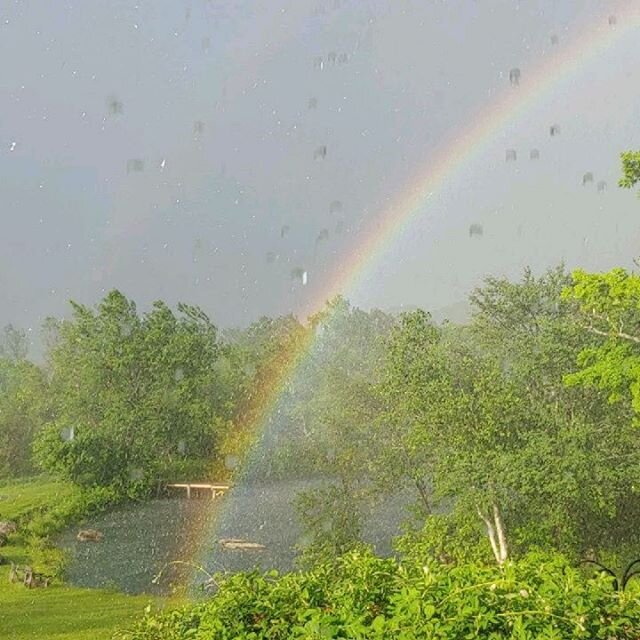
361, 596
451, 538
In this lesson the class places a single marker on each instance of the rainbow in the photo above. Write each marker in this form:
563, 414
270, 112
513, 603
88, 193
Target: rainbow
455, 154
465, 147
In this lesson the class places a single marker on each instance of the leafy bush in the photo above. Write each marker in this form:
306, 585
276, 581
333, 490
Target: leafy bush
332, 521
450, 537
361, 596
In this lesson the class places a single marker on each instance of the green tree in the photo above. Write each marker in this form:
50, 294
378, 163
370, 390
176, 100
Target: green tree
135, 396
610, 310
13, 344
333, 405
582, 459
630, 169
538, 463
23, 412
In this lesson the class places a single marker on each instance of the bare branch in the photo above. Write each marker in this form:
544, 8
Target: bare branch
609, 334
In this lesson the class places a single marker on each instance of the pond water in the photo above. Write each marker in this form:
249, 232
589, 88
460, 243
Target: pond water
141, 539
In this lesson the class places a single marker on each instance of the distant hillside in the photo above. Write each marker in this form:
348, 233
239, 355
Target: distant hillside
457, 313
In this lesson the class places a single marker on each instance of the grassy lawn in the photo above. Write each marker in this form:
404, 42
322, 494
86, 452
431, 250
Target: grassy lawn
19, 499
65, 613
60, 612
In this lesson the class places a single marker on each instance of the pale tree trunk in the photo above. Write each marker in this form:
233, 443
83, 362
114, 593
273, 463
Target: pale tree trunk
495, 531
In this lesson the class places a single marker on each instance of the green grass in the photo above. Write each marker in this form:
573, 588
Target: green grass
60, 612
19, 499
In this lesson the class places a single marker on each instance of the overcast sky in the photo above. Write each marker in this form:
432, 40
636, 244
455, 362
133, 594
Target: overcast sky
173, 149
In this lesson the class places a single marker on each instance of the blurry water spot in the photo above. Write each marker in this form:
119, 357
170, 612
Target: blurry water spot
323, 235
304, 278
331, 58
271, 257
313, 103
198, 127
136, 474
511, 155
602, 186
114, 106
343, 58
298, 273
613, 20
178, 374
163, 164
335, 206
67, 434
554, 130
318, 63
514, 77
587, 177
554, 39
12, 146
284, 230
475, 230
125, 329
231, 462
320, 152
534, 154
135, 164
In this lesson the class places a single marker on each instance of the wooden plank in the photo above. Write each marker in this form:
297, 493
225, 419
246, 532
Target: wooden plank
194, 485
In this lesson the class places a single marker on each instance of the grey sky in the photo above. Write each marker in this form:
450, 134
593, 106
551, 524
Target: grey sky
198, 222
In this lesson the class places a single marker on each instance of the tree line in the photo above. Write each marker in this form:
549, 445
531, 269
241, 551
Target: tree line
516, 431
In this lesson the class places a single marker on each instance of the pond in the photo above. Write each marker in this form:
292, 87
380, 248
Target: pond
140, 540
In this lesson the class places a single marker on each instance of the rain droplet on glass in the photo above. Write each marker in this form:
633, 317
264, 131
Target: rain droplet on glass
514, 77
476, 230
511, 155
335, 206
135, 164
114, 106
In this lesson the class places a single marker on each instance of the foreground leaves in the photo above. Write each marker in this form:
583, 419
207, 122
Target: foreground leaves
362, 596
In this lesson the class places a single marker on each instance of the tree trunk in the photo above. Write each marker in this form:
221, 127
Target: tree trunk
495, 531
